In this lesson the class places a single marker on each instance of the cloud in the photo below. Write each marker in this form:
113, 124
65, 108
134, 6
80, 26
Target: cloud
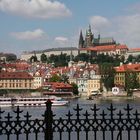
61, 39
42, 9
134, 8
124, 29
28, 35
99, 22
127, 29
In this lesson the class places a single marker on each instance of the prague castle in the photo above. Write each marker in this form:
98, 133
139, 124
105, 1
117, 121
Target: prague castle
90, 40
95, 46
90, 45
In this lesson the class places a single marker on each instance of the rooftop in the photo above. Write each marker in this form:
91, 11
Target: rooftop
15, 75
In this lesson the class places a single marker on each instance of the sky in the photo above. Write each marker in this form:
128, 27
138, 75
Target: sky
28, 25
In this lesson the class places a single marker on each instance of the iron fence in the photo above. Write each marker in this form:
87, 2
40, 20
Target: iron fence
97, 124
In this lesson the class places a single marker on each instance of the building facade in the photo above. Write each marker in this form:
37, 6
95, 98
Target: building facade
48, 52
90, 40
82, 86
38, 80
119, 79
95, 46
16, 80
93, 85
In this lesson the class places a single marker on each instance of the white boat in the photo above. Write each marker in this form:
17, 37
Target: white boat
31, 101
5, 102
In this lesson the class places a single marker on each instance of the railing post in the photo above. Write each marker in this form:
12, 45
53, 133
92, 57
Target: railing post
48, 121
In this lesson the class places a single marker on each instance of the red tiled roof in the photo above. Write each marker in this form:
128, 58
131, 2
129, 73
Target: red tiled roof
134, 49
61, 69
106, 48
58, 85
123, 68
121, 47
17, 66
15, 75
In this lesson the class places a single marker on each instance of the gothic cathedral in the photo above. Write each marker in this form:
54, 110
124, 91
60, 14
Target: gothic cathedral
91, 41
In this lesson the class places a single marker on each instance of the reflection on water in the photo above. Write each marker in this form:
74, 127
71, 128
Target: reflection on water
84, 103
37, 112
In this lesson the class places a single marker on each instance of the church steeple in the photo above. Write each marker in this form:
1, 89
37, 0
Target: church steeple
71, 56
81, 40
89, 29
89, 37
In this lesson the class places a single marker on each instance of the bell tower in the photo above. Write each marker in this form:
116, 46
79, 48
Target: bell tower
89, 38
81, 40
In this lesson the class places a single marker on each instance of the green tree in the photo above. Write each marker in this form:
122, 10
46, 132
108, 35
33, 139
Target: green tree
101, 58
130, 58
62, 60
33, 58
43, 58
11, 57
59, 60
137, 58
55, 78
131, 82
53, 58
75, 88
107, 75
82, 57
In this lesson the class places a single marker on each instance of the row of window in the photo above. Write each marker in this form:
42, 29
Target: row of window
25, 80
120, 78
37, 82
94, 86
13, 85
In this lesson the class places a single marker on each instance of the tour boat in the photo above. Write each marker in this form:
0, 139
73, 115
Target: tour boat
31, 101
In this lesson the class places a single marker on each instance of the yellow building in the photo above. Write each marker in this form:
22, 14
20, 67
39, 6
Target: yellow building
119, 79
93, 85
16, 80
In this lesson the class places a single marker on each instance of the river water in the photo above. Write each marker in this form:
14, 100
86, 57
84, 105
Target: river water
83, 103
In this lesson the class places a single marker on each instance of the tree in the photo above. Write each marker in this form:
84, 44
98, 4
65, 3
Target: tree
82, 57
75, 88
131, 82
11, 57
101, 58
130, 58
53, 58
55, 78
43, 58
33, 58
137, 58
62, 60
107, 75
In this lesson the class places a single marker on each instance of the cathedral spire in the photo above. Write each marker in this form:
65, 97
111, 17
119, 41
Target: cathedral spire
89, 37
81, 40
89, 29
71, 56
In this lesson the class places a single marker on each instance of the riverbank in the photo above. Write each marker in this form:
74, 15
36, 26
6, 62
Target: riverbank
121, 97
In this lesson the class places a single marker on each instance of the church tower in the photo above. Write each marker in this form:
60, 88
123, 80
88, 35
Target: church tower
81, 40
89, 38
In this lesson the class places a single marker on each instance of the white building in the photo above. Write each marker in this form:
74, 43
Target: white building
38, 80
82, 86
48, 52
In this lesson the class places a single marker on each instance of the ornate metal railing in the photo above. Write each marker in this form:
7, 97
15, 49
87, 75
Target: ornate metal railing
78, 124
